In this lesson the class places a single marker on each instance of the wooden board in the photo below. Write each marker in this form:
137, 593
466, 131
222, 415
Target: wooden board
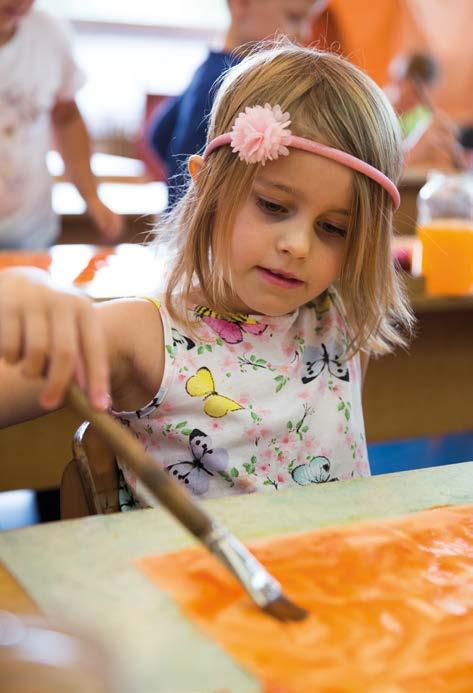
82, 569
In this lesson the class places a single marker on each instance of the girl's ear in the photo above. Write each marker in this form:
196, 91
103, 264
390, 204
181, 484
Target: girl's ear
195, 164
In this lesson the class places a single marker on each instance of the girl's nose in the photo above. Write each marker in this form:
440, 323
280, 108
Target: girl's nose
295, 240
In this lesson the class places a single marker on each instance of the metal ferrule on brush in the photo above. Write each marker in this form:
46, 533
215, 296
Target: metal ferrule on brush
259, 584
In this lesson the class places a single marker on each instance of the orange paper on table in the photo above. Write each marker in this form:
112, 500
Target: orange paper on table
390, 602
98, 260
20, 258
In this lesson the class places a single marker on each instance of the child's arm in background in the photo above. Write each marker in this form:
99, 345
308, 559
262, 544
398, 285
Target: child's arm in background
74, 146
48, 335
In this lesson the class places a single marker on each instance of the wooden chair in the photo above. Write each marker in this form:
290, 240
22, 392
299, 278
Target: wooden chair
90, 481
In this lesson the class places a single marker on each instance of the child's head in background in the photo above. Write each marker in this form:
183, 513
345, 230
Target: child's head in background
257, 20
301, 215
11, 13
409, 75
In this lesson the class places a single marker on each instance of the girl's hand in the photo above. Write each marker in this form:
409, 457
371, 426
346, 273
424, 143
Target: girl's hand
53, 334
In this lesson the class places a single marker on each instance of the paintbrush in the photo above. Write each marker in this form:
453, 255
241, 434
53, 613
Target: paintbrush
262, 587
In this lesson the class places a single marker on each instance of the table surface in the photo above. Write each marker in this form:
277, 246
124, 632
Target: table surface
82, 570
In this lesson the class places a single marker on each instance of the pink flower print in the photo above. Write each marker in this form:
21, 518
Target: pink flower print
336, 389
360, 467
263, 467
244, 399
264, 432
162, 421
322, 386
309, 443
283, 370
227, 363
267, 455
287, 440
247, 346
189, 360
181, 377
350, 439
288, 348
340, 427
245, 485
280, 478
251, 433
216, 425
303, 394
166, 407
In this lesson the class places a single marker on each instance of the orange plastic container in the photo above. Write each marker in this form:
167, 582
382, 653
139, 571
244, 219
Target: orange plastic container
447, 255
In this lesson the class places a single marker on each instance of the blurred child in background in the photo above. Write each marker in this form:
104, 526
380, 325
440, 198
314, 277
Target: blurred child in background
179, 127
38, 83
430, 137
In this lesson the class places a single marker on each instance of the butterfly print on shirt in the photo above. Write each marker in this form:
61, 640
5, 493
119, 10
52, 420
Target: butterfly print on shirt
317, 471
230, 329
179, 339
206, 462
202, 384
317, 359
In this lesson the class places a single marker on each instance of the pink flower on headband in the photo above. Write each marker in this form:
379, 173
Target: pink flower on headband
259, 134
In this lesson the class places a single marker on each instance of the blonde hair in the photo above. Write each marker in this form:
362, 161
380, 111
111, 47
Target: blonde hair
331, 101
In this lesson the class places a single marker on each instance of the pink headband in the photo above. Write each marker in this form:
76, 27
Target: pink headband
261, 133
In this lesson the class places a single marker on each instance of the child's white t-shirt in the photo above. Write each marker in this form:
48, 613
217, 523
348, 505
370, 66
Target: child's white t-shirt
37, 70
254, 404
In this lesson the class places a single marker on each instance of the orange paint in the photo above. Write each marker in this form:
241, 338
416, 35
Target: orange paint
12, 258
390, 602
98, 260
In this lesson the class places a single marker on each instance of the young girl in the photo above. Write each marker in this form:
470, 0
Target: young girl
247, 375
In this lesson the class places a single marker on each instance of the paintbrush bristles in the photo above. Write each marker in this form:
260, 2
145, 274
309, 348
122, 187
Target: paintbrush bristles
284, 610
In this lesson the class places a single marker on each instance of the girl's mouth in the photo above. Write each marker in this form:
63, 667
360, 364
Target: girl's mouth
280, 278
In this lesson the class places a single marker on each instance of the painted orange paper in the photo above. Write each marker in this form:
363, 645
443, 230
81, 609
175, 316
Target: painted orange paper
391, 606
98, 260
24, 258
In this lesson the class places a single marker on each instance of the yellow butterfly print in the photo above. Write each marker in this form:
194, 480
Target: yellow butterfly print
202, 385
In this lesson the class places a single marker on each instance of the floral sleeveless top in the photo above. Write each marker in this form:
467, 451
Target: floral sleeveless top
256, 403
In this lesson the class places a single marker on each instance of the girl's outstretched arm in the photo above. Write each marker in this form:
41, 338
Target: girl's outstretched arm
47, 336
50, 336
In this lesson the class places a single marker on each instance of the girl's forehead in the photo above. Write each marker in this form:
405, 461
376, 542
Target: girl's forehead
305, 176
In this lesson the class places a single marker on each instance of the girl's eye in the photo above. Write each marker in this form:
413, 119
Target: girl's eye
333, 230
271, 208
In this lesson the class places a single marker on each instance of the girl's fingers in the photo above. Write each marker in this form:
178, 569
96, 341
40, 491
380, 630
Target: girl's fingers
79, 373
62, 358
11, 337
36, 344
94, 353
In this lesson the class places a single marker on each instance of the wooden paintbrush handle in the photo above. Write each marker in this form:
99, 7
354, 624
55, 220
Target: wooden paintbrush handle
131, 452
